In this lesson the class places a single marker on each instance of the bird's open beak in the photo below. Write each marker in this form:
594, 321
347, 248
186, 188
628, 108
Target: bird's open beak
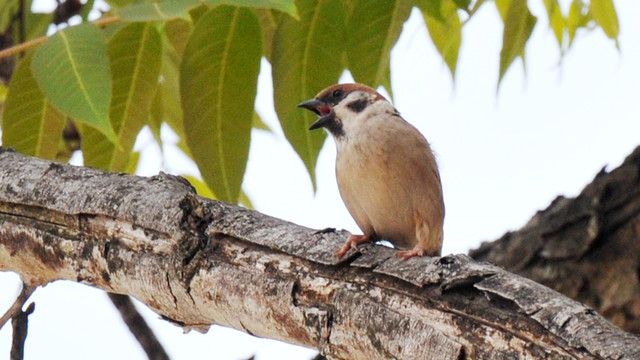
312, 105
321, 109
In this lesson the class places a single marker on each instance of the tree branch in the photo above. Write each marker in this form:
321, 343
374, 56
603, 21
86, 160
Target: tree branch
138, 327
20, 324
586, 247
199, 262
16, 308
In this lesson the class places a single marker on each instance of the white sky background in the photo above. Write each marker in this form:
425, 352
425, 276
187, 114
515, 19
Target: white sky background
502, 157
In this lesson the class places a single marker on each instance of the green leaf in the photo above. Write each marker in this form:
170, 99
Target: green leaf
155, 121
4, 89
182, 145
134, 52
430, 8
502, 6
373, 29
166, 10
72, 70
201, 188
577, 18
269, 24
176, 33
219, 74
306, 58
259, 124
29, 123
462, 4
117, 4
556, 20
37, 24
86, 9
446, 33
604, 13
134, 159
8, 9
518, 27
196, 12
245, 201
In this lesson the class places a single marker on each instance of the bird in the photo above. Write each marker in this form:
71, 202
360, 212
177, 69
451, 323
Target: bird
386, 171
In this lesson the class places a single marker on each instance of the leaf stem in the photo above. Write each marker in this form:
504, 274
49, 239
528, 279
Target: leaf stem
472, 11
37, 41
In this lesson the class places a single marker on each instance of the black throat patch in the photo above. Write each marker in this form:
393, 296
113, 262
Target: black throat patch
335, 128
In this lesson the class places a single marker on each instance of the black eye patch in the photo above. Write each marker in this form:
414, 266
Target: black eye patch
358, 105
334, 97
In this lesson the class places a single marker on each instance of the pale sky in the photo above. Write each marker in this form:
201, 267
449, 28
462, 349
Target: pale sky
503, 156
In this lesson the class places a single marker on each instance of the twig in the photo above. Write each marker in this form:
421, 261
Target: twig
37, 41
138, 327
472, 11
15, 309
20, 324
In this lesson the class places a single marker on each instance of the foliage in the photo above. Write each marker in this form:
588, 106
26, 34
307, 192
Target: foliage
194, 64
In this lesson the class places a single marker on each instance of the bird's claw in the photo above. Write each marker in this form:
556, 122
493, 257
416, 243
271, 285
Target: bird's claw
406, 254
352, 243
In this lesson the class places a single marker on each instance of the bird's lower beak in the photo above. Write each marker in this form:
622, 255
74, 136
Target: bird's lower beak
321, 109
324, 121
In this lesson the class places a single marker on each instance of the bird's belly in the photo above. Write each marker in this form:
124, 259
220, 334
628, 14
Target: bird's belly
377, 203
395, 225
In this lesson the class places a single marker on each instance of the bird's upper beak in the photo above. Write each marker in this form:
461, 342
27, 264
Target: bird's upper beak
321, 109
313, 105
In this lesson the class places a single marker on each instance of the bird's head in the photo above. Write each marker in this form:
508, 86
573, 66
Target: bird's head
339, 103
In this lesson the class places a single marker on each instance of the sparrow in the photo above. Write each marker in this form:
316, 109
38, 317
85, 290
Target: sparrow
386, 172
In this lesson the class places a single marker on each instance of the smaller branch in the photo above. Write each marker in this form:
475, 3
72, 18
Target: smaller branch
138, 327
15, 309
20, 324
37, 41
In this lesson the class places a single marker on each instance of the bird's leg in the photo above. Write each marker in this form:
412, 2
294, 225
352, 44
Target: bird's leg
416, 251
429, 242
352, 243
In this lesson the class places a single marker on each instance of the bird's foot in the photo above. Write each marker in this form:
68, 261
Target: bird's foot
352, 243
406, 254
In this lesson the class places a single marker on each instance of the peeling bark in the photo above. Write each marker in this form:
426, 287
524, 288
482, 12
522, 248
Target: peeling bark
198, 262
587, 248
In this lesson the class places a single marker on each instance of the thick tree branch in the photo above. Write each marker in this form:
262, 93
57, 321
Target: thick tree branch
587, 248
199, 262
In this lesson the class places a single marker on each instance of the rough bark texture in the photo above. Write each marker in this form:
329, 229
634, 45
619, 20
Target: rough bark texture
587, 248
199, 262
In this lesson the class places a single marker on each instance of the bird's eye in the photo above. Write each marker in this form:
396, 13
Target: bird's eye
337, 93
